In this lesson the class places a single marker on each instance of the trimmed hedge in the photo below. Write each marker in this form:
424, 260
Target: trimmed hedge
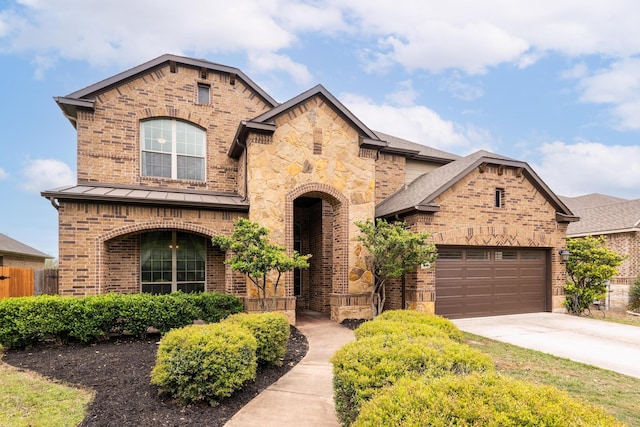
205, 362
412, 316
363, 367
271, 331
28, 320
478, 400
390, 327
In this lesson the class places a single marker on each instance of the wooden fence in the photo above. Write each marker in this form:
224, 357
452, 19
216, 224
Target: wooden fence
22, 282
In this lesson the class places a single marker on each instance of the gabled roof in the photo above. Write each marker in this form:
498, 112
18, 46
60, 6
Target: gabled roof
149, 196
266, 119
420, 194
85, 98
601, 214
12, 246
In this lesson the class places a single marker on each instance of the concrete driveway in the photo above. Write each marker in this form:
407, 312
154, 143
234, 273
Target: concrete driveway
607, 345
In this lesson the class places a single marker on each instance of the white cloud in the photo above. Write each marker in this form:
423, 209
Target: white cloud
419, 124
617, 86
266, 62
454, 85
125, 32
405, 95
45, 174
3, 174
473, 36
590, 167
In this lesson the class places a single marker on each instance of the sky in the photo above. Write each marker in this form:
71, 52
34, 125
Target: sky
554, 83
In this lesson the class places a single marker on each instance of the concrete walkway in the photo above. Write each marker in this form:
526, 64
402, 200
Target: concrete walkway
608, 345
304, 395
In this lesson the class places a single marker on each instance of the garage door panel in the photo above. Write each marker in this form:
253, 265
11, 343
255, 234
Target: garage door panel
500, 282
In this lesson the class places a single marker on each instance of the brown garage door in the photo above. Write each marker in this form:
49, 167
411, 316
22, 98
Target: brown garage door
473, 282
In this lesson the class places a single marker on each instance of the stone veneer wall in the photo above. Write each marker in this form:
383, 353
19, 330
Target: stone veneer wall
99, 250
468, 217
315, 153
109, 138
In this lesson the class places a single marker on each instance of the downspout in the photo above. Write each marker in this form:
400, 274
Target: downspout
246, 169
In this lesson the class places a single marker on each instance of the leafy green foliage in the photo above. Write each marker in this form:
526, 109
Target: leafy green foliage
254, 256
363, 367
634, 295
390, 327
412, 316
28, 320
271, 331
204, 363
590, 265
478, 400
394, 251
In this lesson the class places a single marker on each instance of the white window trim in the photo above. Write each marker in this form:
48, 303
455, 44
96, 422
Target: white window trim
174, 151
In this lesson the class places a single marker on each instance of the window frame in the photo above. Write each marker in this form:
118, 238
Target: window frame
174, 283
172, 141
499, 198
200, 97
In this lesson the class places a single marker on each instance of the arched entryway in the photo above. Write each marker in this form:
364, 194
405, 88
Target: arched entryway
317, 224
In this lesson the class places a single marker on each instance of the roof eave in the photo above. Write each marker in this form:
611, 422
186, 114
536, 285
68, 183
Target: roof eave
604, 232
158, 202
245, 127
560, 217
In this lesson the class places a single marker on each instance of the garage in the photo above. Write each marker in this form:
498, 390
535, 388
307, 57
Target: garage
482, 281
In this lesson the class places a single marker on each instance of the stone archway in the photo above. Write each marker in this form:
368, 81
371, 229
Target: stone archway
317, 223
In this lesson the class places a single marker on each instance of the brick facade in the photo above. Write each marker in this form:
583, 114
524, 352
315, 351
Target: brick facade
303, 165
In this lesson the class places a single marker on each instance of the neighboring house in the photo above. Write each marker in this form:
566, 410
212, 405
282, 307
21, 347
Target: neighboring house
618, 220
171, 152
16, 254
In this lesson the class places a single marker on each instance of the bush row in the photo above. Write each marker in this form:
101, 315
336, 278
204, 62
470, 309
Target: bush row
408, 368
482, 400
28, 320
399, 344
209, 362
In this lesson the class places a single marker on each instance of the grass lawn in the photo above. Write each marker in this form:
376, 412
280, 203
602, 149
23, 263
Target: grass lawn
616, 393
27, 399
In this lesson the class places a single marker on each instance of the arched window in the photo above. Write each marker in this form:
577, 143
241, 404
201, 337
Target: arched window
172, 261
172, 149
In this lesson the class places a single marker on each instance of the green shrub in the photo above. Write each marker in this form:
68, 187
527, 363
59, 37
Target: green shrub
271, 331
204, 362
215, 306
478, 400
391, 327
363, 367
412, 316
634, 295
28, 320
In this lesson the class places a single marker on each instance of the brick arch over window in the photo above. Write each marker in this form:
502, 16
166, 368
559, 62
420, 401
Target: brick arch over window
174, 113
100, 242
340, 207
491, 236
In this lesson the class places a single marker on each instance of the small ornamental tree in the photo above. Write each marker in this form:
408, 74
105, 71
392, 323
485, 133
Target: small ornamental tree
394, 251
590, 265
254, 256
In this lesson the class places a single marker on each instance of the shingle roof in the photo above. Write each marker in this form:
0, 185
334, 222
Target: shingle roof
9, 245
421, 151
422, 192
601, 214
591, 201
150, 195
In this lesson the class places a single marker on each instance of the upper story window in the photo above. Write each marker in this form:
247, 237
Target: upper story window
204, 94
172, 149
499, 201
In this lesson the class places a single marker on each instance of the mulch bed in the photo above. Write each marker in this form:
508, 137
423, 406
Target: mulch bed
119, 372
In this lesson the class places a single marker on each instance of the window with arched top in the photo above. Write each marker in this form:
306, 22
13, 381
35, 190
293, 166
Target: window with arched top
172, 149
